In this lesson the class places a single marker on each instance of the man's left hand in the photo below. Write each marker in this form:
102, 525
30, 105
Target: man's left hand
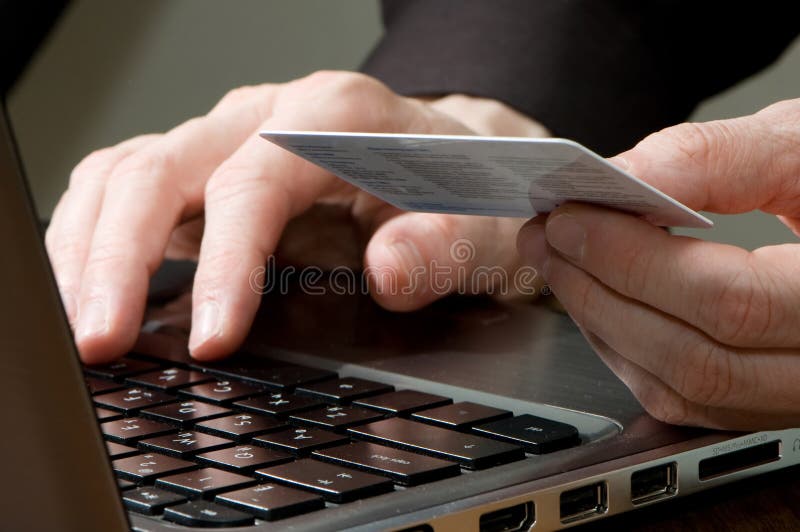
702, 333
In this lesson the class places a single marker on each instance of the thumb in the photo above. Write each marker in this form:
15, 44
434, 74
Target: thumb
726, 166
432, 255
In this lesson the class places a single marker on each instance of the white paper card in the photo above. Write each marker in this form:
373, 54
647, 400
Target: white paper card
487, 176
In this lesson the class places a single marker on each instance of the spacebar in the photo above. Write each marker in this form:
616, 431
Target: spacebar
472, 452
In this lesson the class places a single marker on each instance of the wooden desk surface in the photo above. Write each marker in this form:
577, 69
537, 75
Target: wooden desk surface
765, 503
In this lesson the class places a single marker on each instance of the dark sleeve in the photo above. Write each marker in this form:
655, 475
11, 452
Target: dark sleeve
603, 72
23, 26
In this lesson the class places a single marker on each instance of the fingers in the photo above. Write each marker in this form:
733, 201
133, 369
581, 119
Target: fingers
245, 214
728, 166
252, 195
69, 235
415, 258
690, 363
148, 193
739, 298
665, 404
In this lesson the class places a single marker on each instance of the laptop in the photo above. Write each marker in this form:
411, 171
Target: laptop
471, 414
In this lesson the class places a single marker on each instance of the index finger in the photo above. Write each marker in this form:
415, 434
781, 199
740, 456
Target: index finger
739, 298
253, 194
726, 166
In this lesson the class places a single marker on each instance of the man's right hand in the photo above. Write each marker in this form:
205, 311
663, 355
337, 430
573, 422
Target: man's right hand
211, 189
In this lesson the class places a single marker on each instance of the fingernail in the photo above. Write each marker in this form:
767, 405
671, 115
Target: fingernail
92, 318
566, 235
532, 247
206, 324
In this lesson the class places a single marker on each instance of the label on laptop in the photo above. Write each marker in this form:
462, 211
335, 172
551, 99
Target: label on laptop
486, 176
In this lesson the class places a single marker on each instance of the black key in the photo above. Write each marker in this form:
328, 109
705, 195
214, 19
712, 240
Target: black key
337, 417
205, 481
150, 501
97, 386
461, 416
104, 414
267, 372
145, 467
403, 402
184, 444
334, 482
134, 428
116, 450
538, 435
221, 391
278, 404
170, 379
206, 514
300, 440
185, 413
125, 484
408, 469
240, 426
345, 390
244, 458
272, 502
472, 452
132, 399
121, 368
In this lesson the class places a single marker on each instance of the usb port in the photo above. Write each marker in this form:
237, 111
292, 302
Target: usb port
654, 483
728, 463
511, 519
584, 502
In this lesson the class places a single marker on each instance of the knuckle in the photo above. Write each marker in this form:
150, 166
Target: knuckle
344, 95
106, 256
590, 298
236, 96
785, 109
242, 180
704, 374
692, 140
696, 144
336, 81
143, 169
638, 264
63, 249
232, 181
99, 164
739, 312
94, 168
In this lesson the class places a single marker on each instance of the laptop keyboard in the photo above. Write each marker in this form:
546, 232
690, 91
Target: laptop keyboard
254, 439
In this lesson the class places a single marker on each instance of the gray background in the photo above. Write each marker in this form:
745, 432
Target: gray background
112, 70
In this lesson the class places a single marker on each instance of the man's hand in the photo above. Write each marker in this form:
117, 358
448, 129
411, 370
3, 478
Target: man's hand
213, 178
702, 333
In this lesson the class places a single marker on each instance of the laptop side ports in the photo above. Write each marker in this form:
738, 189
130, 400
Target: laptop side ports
510, 519
654, 483
584, 502
725, 464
